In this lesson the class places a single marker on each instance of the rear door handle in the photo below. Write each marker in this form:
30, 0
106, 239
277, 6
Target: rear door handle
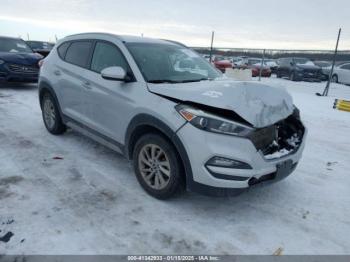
57, 72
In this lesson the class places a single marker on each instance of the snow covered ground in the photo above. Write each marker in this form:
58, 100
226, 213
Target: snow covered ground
89, 202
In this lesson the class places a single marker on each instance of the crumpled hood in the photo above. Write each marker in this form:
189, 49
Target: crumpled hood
20, 58
260, 105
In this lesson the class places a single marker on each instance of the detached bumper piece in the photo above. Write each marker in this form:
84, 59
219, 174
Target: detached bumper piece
342, 105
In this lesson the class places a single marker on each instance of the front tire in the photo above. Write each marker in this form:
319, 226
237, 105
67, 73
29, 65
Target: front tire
51, 115
157, 166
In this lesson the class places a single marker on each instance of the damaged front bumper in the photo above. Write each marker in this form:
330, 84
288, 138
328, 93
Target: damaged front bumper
228, 176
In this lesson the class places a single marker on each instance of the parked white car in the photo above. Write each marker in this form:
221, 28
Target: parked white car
341, 74
180, 122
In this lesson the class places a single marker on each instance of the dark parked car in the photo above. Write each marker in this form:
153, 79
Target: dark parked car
18, 62
325, 68
299, 69
40, 47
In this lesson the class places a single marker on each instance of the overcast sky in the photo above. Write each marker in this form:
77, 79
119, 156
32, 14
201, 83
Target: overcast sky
296, 24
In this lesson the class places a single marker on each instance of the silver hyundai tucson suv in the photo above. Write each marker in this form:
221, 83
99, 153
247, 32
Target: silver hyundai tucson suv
181, 122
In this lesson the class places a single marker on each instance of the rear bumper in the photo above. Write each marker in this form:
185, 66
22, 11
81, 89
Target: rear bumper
223, 68
263, 74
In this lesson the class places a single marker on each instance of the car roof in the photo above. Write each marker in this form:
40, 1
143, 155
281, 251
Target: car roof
9, 37
296, 57
123, 38
38, 41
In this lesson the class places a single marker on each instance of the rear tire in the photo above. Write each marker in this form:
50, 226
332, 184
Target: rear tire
157, 166
335, 79
51, 115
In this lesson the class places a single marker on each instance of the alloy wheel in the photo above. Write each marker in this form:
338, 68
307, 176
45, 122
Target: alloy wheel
154, 166
49, 113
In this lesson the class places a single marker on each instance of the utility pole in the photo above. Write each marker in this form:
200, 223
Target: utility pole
325, 91
28, 36
211, 47
56, 38
262, 64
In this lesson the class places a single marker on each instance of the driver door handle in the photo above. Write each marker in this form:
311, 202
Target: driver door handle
57, 72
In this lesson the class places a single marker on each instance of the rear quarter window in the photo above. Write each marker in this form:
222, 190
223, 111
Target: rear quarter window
62, 49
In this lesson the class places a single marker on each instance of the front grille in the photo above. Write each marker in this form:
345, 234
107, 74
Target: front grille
311, 73
23, 69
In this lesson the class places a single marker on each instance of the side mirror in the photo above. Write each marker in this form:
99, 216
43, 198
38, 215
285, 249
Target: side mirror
292, 63
115, 73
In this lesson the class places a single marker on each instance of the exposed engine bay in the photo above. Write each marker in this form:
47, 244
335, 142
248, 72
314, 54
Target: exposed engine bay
279, 139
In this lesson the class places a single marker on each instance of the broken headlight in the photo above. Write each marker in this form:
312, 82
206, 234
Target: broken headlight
212, 123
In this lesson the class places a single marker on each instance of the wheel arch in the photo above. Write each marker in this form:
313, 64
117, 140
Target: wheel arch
143, 124
44, 88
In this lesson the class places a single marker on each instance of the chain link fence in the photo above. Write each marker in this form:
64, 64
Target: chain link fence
315, 55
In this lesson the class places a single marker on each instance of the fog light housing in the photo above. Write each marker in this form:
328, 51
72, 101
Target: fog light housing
227, 163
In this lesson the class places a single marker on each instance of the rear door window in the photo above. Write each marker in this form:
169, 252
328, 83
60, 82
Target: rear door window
78, 53
346, 67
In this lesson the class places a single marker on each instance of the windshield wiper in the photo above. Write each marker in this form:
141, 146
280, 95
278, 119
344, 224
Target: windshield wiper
160, 81
195, 80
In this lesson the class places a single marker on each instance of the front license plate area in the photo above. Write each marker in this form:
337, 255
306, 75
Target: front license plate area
284, 169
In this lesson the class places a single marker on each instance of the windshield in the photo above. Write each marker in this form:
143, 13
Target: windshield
14, 46
169, 63
303, 61
255, 62
40, 45
323, 64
